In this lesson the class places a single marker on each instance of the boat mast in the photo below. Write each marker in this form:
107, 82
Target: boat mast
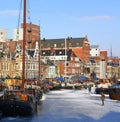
24, 43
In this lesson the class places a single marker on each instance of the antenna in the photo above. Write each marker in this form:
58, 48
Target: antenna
111, 52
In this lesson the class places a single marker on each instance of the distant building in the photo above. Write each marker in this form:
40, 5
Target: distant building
3, 35
102, 69
11, 61
18, 34
80, 46
32, 34
94, 50
103, 55
66, 54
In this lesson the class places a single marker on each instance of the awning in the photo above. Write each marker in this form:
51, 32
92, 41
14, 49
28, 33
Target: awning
59, 79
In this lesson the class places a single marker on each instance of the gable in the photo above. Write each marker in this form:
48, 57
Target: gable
78, 52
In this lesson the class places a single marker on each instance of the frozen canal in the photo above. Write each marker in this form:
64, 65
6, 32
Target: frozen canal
73, 106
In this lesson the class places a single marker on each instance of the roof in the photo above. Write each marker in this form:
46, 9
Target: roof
78, 52
94, 46
58, 53
62, 40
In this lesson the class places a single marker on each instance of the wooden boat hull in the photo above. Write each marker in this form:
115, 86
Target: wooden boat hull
114, 93
102, 90
17, 108
114, 96
17, 103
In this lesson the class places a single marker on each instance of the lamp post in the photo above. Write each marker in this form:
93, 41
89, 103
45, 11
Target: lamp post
65, 57
66, 39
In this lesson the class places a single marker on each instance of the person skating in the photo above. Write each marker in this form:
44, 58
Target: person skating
102, 98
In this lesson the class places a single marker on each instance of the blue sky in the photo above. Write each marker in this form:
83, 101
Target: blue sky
98, 19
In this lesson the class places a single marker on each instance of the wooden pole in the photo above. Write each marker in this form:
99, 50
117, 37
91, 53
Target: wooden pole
24, 43
39, 53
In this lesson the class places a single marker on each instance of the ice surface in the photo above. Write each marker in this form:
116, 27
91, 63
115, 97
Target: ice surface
75, 106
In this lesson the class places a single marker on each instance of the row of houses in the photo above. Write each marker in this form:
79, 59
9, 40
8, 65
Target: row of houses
75, 56
62, 57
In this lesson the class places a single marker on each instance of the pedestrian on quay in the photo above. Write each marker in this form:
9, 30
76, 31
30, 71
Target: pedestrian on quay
89, 88
73, 87
102, 98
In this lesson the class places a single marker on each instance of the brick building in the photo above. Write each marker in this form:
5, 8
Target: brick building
67, 54
32, 34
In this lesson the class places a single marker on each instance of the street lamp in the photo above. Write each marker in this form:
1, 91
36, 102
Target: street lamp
66, 39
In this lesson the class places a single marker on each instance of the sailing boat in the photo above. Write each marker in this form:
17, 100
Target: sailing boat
19, 102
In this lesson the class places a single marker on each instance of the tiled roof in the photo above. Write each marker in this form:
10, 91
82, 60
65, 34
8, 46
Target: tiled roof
94, 46
62, 40
78, 52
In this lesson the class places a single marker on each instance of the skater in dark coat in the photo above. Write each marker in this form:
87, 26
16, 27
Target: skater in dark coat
102, 98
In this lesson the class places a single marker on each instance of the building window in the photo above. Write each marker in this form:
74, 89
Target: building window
60, 52
67, 64
43, 53
48, 45
70, 44
55, 45
62, 45
17, 31
1, 33
17, 37
77, 44
41, 45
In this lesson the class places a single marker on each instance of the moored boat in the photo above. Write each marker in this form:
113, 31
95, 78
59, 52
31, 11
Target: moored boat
114, 93
17, 100
17, 103
114, 90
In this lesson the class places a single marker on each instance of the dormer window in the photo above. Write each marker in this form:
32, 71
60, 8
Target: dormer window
48, 45
70, 44
60, 52
77, 44
55, 45
62, 45
43, 53
1, 33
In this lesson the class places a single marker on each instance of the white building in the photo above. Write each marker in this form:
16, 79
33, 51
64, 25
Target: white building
18, 34
94, 50
3, 35
51, 72
102, 69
